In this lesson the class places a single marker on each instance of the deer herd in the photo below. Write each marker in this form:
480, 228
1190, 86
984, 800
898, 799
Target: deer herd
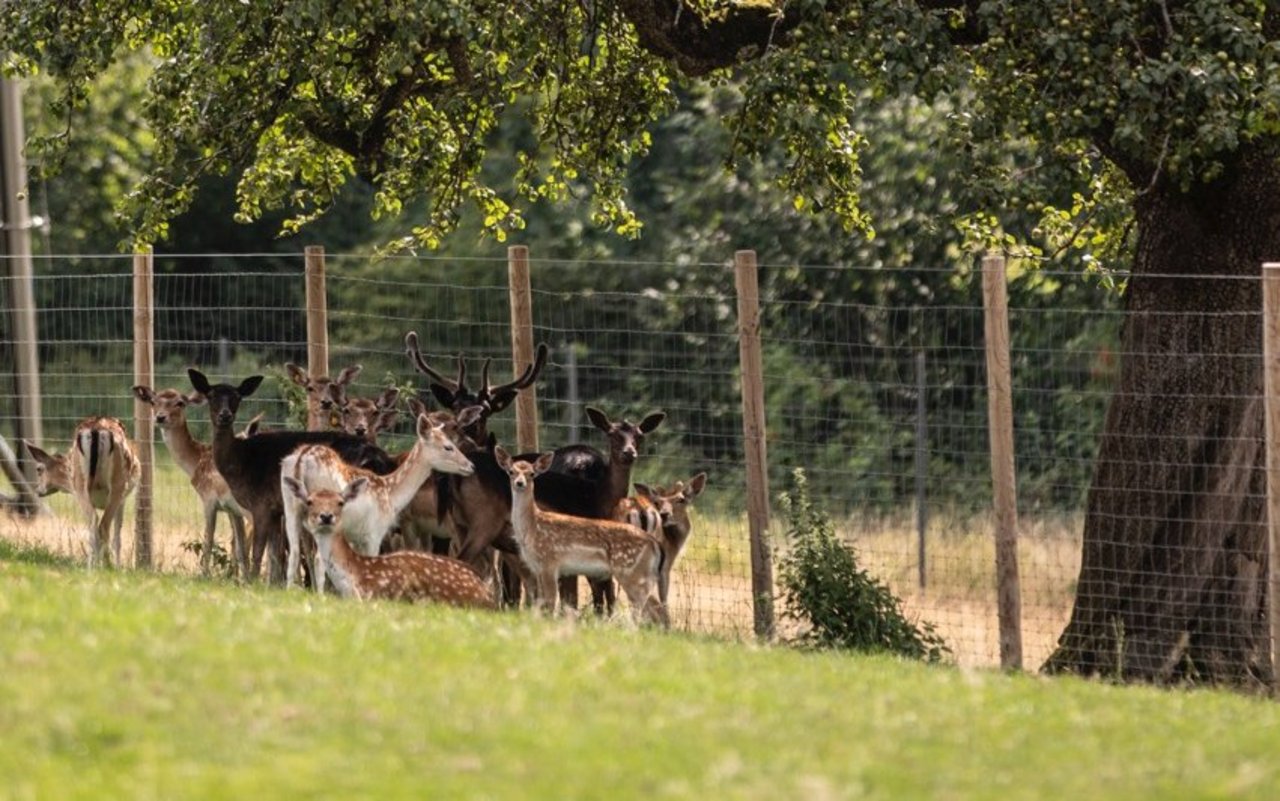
440, 522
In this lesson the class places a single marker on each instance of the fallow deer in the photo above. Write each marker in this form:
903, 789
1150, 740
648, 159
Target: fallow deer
672, 508
325, 395
251, 466
553, 545
368, 417
100, 470
169, 411
405, 576
368, 520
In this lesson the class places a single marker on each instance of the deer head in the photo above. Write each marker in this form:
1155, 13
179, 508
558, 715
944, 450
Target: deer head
673, 504
624, 436
366, 417
522, 473
325, 395
224, 399
168, 406
322, 509
455, 425
53, 473
454, 394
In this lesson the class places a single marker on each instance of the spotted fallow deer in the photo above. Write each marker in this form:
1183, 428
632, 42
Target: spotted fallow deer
672, 509
368, 417
169, 411
554, 545
325, 396
100, 470
404, 576
371, 516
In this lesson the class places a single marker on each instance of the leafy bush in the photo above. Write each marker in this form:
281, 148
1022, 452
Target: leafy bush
842, 604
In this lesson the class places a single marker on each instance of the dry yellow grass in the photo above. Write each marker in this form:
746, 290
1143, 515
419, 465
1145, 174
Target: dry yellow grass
711, 586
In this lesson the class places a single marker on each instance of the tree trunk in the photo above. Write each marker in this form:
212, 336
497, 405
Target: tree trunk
1173, 578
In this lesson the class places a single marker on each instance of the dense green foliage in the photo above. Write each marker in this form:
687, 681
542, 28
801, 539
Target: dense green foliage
839, 604
131, 685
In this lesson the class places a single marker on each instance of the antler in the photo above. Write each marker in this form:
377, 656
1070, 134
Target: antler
502, 395
411, 348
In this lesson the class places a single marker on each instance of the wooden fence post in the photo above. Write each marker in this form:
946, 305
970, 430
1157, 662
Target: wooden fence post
1271, 403
143, 373
317, 316
753, 433
522, 345
1003, 476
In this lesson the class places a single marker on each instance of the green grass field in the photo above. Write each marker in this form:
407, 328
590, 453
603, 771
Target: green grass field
141, 686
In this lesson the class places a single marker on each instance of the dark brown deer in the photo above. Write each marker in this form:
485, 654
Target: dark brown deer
251, 466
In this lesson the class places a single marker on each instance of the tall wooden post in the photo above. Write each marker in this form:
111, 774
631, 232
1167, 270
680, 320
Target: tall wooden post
143, 373
1003, 476
522, 345
15, 242
1271, 402
317, 316
753, 435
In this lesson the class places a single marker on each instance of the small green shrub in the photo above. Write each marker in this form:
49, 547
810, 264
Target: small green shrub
842, 605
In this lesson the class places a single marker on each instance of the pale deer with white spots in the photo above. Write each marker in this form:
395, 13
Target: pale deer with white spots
169, 411
368, 520
553, 545
404, 576
100, 469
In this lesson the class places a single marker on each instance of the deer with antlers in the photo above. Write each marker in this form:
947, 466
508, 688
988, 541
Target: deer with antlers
325, 395
100, 470
405, 576
169, 411
553, 545
370, 517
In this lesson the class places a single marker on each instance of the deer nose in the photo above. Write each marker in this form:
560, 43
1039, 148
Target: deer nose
326, 518
162, 419
225, 417
361, 431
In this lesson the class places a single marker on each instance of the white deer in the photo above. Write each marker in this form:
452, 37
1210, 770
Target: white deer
553, 545
404, 576
168, 409
100, 469
368, 519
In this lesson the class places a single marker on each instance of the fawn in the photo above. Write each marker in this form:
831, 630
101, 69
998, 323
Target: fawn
169, 410
554, 545
403, 576
672, 509
100, 469
371, 516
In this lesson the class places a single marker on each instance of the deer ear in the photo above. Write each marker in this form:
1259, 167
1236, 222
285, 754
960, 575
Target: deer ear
424, 425
416, 407
247, 386
198, 381
387, 418
504, 458
544, 463
388, 398
354, 489
470, 416
348, 375
196, 399
696, 485
598, 419
143, 393
37, 453
296, 374
652, 421
644, 490
294, 486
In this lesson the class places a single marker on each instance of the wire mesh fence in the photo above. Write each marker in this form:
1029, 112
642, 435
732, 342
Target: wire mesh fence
875, 385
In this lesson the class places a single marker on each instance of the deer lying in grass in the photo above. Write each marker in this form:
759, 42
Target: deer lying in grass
169, 411
368, 519
553, 545
100, 469
672, 510
325, 395
251, 466
404, 576
368, 417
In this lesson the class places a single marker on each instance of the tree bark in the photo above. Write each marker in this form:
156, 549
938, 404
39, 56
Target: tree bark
1172, 581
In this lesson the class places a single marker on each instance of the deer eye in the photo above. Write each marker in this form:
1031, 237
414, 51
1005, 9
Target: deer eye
449, 449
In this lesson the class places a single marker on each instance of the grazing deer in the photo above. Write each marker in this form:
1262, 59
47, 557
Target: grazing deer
455, 395
100, 469
169, 411
368, 417
251, 466
672, 508
325, 395
554, 545
405, 576
368, 519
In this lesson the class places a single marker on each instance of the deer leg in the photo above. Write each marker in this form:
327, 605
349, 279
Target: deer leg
293, 538
569, 592
317, 564
210, 525
261, 530
546, 600
238, 544
274, 534
603, 597
117, 525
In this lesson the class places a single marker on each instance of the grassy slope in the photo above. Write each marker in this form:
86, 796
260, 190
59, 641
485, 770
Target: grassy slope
138, 686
